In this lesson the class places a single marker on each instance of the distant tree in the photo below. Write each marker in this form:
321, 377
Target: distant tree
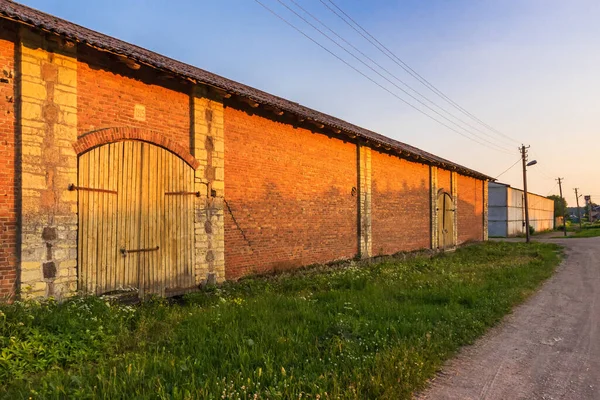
560, 205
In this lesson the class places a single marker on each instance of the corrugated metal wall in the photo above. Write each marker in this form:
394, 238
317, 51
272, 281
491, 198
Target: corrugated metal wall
497, 211
507, 212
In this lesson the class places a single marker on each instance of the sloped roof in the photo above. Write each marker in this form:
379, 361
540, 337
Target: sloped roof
20, 13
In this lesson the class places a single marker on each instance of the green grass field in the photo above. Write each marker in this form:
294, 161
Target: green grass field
376, 331
584, 233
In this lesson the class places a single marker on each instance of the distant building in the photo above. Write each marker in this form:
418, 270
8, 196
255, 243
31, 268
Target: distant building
595, 213
593, 210
507, 211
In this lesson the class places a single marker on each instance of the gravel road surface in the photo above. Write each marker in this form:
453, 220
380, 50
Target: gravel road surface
548, 348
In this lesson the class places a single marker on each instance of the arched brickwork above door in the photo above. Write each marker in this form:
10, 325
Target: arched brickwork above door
90, 140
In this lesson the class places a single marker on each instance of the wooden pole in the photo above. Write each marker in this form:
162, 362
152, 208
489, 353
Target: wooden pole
577, 195
561, 197
526, 201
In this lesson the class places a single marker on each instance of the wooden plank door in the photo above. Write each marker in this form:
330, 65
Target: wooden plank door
136, 220
449, 221
178, 220
445, 208
139, 213
441, 219
98, 181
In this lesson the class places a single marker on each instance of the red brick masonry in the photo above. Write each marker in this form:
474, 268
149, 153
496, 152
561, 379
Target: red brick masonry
9, 182
97, 138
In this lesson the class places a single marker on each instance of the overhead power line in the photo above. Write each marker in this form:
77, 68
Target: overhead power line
508, 169
387, 79
543, 174
497, 148
379, 65
551, 190
542, 169
397, 60
543, 197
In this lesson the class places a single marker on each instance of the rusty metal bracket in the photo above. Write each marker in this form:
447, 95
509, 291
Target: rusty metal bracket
73, 187
213, 192
197, 194
124, 251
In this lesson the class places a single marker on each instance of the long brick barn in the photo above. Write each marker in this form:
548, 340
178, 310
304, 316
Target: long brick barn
123, 169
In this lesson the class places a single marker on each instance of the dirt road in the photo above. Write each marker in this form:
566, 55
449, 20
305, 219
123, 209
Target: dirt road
548, 348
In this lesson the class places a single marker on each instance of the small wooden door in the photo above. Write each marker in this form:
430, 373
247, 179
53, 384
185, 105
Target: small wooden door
136, 220
445, 208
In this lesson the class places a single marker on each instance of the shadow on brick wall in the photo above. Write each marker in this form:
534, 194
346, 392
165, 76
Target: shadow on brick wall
288, 230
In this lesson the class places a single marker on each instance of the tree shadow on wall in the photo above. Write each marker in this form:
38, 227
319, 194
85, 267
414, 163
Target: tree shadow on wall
286, 229
400, 217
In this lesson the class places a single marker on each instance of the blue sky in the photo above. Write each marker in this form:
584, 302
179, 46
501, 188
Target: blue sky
528, 68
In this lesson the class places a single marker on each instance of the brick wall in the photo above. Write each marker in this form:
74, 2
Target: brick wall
108, 92
8, 181
290, 192
292, 197
400, 205
470, 209
444, 180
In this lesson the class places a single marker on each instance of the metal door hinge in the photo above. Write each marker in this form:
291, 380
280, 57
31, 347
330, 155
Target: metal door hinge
197, 194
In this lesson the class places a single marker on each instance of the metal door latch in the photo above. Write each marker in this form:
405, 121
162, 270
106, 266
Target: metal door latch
73, 187
124, 251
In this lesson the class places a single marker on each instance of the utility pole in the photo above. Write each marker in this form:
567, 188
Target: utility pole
561, 197
524, 158
577, 196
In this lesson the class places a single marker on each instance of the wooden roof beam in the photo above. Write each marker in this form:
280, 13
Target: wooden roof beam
129, 62
220, 92
250, 102
316, 123
60, 40
274, 110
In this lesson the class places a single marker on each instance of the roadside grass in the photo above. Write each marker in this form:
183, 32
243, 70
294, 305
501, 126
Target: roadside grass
586, 233
374, 331
575, 227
